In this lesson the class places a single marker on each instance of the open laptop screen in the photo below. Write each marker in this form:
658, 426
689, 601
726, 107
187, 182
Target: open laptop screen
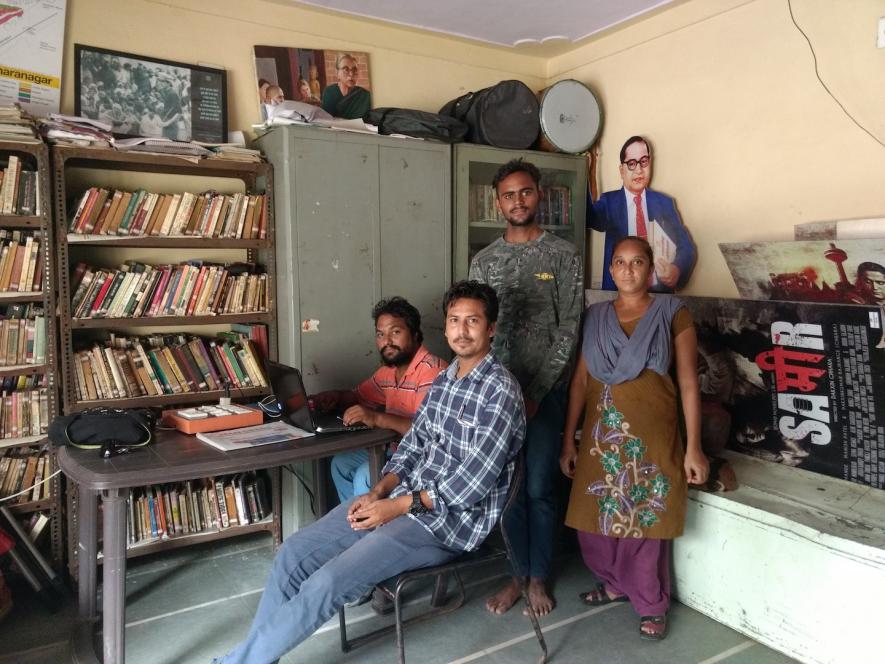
289, 391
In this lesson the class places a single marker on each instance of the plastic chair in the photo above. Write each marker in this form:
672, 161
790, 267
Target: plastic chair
488, 552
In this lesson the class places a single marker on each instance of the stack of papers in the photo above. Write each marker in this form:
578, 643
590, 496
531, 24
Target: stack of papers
76, 130
246, 437
17, 125
235, 153
159, 145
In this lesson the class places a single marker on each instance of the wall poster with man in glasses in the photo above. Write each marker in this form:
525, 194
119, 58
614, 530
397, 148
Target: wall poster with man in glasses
637, 210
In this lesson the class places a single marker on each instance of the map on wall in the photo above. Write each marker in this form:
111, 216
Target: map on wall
31, 45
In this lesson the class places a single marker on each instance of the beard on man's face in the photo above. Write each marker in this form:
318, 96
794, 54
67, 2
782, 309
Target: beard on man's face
399, 358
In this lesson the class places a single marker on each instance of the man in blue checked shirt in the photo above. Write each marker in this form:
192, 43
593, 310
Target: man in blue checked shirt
440, 494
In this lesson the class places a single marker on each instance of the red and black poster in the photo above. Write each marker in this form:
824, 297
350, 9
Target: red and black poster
801, 384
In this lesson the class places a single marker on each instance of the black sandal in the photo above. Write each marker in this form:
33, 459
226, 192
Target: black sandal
600, 597
654, 620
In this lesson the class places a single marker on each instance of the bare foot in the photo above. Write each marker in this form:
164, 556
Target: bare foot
539, 598
500, 602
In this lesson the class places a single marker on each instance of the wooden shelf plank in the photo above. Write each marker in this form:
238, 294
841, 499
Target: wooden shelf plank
155, 546
170, 399
21, 441
20, 221
21, 296
149, 242
159, 321
23, 370
31, 506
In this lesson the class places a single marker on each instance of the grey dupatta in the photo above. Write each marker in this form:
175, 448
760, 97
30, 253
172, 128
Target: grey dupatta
612, 357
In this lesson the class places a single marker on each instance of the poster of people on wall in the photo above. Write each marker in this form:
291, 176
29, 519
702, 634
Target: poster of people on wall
338, 81
31, 46
845, 271
801, 384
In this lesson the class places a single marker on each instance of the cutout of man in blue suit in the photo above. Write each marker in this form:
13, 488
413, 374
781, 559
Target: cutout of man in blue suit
628, 211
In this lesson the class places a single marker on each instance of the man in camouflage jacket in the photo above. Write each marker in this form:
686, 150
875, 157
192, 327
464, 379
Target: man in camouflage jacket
538, 278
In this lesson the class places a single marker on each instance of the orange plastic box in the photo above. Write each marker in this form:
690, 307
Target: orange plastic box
214, 423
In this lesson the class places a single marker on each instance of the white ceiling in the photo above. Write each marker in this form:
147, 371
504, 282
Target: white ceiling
511, 23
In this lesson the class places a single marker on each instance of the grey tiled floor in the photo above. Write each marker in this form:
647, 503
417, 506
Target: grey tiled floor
185, 607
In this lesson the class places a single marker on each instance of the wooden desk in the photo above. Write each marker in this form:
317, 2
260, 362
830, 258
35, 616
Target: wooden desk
173, 457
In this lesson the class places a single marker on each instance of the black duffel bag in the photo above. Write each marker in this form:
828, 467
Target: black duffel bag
111, 430
504, 115
416, 123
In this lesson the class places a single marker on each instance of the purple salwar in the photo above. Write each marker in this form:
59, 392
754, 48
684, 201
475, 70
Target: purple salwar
636, 567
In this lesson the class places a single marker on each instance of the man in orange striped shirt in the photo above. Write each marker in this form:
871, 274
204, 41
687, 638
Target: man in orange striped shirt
390, 397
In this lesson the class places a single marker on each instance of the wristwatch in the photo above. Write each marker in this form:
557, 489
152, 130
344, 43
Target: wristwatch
417, 507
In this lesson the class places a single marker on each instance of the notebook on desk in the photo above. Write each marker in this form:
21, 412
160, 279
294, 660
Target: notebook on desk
288, 387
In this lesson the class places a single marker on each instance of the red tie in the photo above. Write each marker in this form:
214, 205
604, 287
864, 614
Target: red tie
640, 217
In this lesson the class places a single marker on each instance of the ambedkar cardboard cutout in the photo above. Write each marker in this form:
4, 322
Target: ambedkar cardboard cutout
637, 210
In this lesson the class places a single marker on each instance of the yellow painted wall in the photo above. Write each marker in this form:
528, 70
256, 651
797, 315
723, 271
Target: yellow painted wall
746, 139
409, 68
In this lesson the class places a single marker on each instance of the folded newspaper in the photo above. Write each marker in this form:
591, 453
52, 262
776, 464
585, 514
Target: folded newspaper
245, 437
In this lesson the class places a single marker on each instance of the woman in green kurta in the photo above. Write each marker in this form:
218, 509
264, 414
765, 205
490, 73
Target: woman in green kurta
345, 99
630, 469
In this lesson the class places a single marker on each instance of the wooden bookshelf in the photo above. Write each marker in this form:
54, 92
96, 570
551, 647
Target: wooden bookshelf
72, 170
35, 156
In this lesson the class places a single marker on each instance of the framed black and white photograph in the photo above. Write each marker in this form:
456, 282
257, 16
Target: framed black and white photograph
143, 96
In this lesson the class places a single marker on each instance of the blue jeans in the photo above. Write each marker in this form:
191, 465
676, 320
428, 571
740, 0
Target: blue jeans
322, 567
350, 473
531, 522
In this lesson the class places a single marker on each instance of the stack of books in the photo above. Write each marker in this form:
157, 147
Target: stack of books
195, 288
555, 206
21, 261
76, 130
164, 511
21, 469
24, 413
171, 364
17, 125
22, 335
481, 204
141, 213
19, 189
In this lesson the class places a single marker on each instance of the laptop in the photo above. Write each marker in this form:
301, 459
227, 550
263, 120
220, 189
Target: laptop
292, 398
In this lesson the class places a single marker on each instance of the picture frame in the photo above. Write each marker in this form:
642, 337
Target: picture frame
338, 81
144, 96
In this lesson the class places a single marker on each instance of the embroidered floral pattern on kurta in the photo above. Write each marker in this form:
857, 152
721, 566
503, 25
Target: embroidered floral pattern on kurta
634, 491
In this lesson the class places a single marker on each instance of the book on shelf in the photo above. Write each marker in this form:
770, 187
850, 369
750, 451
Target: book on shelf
114, 212
165, 511
194, 288
21, 261
167, 364
36, 526
18, 189
25, 471
245, 437
22, 334
24, 413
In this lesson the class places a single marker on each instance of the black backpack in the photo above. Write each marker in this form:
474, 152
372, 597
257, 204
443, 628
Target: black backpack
416, 123
505, 115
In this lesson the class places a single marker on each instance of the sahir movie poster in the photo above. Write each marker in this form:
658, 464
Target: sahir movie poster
801, 384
